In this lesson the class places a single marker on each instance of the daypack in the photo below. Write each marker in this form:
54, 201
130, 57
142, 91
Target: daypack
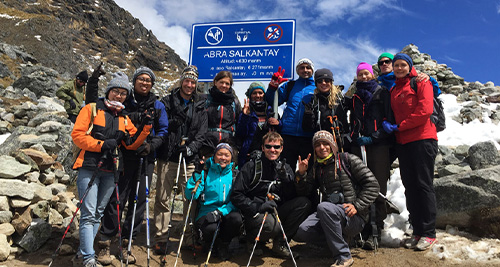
75, 149
437, 116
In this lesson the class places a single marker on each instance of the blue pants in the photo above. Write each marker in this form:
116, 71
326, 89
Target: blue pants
92, 206
329, 224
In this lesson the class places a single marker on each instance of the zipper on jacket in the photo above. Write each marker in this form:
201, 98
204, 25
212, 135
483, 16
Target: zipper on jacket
375, 125
220, 121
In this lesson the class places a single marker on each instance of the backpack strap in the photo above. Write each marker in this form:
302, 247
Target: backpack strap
345, 164
93, 114
257, 173
288, 89
413, 84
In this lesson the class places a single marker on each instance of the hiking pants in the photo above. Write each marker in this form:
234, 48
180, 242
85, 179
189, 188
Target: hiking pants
230, 227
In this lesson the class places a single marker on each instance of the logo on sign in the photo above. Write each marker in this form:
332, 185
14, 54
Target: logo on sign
214, 35
242, 35
273, 33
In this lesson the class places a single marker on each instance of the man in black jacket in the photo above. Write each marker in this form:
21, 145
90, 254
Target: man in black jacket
347, 193
258, 177
188, 125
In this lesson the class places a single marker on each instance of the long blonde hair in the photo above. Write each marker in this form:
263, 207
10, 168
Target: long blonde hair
334, 95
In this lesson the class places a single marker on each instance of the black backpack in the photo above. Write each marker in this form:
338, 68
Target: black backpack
437, 116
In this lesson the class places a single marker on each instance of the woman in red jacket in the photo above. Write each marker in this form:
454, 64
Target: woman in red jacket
416, 148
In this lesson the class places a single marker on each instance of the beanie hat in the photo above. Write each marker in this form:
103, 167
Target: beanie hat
364, 66
190, 72
323, 74
304, 61
254, 86
387, 55
144, 70
404, 57
119, 80
83, 76
326, 137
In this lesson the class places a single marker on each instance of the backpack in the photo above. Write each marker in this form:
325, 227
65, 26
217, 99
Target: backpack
75, 150
437, 116
288, 89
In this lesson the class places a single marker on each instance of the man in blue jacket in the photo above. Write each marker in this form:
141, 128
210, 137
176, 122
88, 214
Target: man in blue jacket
294, 94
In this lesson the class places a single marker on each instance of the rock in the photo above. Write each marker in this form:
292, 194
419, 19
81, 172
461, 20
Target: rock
22, 221
32, 177
39, 79
4, 247
51, 104
461, 151
19, 202
42, 159
451, 159
49, 126
13, 188
452, 169
59, 174
7, 229
41, 209
66, 179
66, 250
57, 188
48, 178
5, 127
40, 192
470, 200
55, 218
4, 203
11, 168
5, 216
482, 155
37, 234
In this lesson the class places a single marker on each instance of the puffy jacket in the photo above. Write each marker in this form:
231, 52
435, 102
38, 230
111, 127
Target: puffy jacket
106, 125
366, 118
185, 120
248, 197
159, 133
361, 191
251, 133
216, 188
387, 80
222, 114
302, 92
70, 91
412, 110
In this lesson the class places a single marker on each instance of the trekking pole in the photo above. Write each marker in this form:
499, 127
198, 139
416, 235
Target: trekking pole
212, 245
92, 179
129, 247
372, 206
117, 177
257, 238
147, 209
272, 197
187, 217
169, 227
191, 224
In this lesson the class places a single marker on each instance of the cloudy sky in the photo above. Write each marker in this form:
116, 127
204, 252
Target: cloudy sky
338, 34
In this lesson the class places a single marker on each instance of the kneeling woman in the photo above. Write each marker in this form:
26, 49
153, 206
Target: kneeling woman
216, 209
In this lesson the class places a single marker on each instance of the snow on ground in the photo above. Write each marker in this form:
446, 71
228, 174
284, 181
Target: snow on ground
3, 137
453, 246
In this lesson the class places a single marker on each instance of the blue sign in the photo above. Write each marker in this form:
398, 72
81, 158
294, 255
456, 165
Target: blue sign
251, 50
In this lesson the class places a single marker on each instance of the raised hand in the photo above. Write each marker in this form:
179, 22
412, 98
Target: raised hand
277, 78
246, 107
98, 71
303, 164
273, 121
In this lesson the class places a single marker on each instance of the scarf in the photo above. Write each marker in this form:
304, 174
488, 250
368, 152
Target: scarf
325, 159
388, 80
114, 106
365, 90
221, 98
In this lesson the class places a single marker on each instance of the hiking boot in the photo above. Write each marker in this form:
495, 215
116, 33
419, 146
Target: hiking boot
425, 243
411, 242
223, 251
159, 248
280, 249
343, 263
126, 257
104, 257
369, 244
258, 249
92, 262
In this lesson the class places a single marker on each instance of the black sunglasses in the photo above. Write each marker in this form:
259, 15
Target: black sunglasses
382, 62
271, 146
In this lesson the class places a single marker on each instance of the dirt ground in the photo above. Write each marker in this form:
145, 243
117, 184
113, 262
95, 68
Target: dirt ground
309, 256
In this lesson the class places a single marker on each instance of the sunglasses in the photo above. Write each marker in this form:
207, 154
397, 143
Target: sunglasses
382, 62
271, 146
324, 80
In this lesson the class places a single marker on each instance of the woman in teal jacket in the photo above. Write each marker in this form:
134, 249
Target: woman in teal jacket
215, 207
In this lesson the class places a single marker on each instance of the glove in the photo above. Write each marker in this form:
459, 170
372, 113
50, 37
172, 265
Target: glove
364, 140
389, 127
108, 144
149, 117
199, 165
268, 206
214, 216
143, 150
98, 71
277, 78
185, 150
72, 104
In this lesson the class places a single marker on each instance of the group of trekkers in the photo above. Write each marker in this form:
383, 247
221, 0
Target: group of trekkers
317, 174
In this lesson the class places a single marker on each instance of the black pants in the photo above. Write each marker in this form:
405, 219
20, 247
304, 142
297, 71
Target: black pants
230, 227
416, 164
293, 146
292, 213
127, 185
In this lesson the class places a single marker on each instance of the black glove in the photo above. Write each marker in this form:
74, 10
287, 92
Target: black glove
72, 104
149, 117
185, 150
199, 165
214, 216
98, 71
108, 144
143, 150
268, 206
